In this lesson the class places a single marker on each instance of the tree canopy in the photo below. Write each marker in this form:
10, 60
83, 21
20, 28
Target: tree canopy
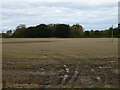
59, 30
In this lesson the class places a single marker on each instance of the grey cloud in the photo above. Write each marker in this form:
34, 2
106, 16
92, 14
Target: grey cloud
91, 16
119, 12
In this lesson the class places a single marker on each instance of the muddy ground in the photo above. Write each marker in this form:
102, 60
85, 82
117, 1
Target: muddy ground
60, 63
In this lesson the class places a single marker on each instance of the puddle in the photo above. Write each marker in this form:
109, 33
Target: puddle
86, 80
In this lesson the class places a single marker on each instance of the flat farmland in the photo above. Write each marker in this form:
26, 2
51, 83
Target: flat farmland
60, 62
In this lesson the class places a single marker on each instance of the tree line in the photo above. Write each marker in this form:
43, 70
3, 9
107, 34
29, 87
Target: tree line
59, 31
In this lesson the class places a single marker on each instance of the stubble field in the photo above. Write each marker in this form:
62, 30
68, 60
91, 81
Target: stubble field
60, 63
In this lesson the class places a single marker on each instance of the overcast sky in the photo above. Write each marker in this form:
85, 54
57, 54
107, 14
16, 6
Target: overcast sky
91, 14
